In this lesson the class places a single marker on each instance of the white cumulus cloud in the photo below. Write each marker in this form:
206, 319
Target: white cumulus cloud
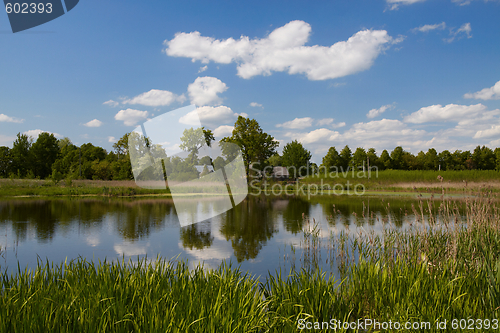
283, 50
7, 119
224, 130
376, 112
486, 93
130, 117
93, 123
111, 139
205, 90
450, 112
35, 133
156, 97
319, 135
211, 116
297, 123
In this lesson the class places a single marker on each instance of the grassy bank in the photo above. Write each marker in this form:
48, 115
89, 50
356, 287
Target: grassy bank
420, 180
386, 180
47, 188
444, 269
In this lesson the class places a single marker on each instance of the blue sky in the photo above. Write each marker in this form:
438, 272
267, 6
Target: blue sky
377, 73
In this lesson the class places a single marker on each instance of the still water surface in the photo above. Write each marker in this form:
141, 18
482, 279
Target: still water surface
256, 234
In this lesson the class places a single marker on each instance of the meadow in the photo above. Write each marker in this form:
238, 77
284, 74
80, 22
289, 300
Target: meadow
445, 267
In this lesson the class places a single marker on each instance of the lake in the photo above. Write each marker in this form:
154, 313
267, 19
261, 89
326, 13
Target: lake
257, 234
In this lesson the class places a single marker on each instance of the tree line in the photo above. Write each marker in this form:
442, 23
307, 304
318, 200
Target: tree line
49, 157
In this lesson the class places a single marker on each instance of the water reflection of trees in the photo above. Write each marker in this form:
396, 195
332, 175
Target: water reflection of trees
197, 236
249, 226
134, 218
292, 215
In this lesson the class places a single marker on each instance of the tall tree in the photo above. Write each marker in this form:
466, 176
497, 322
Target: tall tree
22, 159
331, 159
345, 157
397, 158
359, 159
385, 160
256, 145
372, 158
5, 161
45, 152
296, 158
484, 158
431, 160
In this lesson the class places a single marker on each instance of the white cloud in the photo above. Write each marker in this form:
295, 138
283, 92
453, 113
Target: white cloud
202, 69
465, 28
394, 4
338, 125
429, 27
320, 135
329, 122
111, 103
450, 112
224, 130
35, 133
210, 116
326, 121
376, 112
486, 93
256, 105
130, 117
156, 97
93, 123
488, 133
284, 50
7, 119
111, 139
204, 90
297, 123
130, 249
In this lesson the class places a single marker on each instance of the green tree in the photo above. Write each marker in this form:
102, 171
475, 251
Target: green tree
431, 160
397, 158
372, 158
445, 160
256, 145
359, 159
45, 152
497, 159
385, 160
22, 159
296, 158
345, 158
331, 159
275, 160
5, 161
410, 161
484, 158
